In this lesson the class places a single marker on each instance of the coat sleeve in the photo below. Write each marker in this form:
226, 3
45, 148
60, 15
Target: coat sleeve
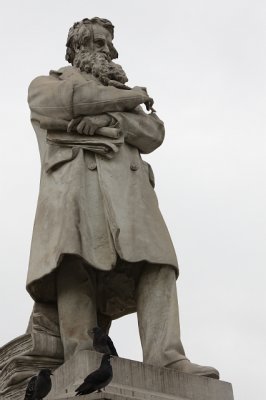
141, 130
65, 99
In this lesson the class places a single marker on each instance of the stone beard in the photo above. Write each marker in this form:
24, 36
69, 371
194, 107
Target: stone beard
100, 66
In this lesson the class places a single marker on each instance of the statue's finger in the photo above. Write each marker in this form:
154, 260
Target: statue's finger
80, 127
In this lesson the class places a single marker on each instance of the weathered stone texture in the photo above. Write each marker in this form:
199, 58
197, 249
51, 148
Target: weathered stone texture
135, 380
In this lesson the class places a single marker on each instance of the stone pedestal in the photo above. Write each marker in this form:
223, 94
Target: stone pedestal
135, 380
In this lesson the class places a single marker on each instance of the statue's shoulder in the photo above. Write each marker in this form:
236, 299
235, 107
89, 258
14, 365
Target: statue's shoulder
71, 73
64, 72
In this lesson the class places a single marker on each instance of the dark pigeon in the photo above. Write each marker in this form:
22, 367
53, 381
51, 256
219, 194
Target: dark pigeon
98, 379
39, 385
102, 342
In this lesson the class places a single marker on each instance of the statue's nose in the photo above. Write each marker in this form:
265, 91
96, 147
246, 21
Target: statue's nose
106, 49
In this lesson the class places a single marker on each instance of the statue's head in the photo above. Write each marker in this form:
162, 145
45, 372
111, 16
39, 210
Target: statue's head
94, 34
90, 48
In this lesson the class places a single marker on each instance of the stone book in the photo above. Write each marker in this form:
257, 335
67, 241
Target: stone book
36, 343
15, 347
23, 357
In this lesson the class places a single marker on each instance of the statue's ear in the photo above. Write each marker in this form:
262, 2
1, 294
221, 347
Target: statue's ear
113, 51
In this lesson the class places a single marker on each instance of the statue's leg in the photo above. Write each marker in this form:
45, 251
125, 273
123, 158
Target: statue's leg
76, 299
104, 322
158, 316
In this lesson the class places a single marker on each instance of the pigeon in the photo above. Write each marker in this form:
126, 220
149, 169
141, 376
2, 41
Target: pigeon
102, 342
39, 385
98, 379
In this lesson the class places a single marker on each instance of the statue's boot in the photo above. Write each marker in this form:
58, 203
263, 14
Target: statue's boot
158, 318
190, 368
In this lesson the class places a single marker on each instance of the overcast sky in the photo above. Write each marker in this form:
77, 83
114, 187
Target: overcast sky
204, 64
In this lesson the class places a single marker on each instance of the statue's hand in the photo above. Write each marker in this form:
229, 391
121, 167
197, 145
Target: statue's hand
89, 125
149, 102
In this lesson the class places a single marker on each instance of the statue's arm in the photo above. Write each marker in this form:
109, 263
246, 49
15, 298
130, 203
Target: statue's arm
65, 99
144, 131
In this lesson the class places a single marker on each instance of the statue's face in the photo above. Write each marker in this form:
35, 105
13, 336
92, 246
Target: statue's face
95, 56
102, 40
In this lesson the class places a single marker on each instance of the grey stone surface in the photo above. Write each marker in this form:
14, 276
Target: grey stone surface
97, 206
136, 380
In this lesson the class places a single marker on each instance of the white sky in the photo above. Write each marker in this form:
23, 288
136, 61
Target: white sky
204, 63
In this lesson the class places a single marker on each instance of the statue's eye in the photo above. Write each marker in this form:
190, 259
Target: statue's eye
99, 43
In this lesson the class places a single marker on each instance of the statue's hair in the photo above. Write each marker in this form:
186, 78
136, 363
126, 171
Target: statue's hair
80, 33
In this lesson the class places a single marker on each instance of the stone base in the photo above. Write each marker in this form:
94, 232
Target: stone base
135, 380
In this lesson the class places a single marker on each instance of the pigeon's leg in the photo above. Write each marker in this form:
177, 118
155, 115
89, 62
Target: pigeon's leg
76, 298
158, 315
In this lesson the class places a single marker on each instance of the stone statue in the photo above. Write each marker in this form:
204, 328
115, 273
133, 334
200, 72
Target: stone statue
100, 247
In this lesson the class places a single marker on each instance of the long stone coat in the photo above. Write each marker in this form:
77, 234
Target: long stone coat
90, 205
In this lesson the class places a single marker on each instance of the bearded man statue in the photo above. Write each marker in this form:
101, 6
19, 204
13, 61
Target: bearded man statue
100, 247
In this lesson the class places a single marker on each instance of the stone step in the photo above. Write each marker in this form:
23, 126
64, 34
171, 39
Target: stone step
112, 396
115, 392
135, 380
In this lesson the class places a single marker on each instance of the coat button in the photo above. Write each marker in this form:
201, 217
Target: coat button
92, 166
134, 166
